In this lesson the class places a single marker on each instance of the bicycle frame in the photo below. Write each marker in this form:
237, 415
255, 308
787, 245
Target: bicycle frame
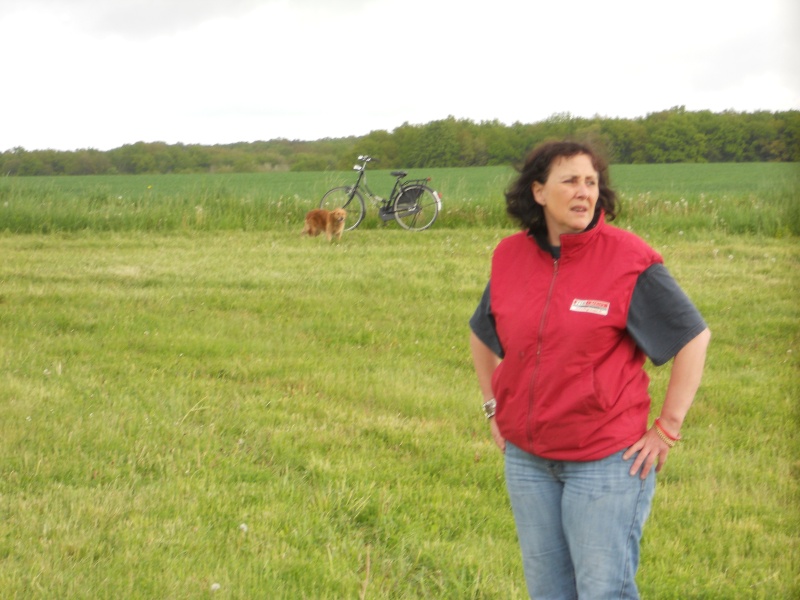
361, 183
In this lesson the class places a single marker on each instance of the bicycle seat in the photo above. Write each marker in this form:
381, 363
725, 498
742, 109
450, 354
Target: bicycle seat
399, 173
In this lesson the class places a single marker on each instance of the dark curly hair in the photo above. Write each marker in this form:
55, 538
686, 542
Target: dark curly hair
520, 204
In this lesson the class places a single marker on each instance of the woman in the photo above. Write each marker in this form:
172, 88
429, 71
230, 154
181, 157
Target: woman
559, 341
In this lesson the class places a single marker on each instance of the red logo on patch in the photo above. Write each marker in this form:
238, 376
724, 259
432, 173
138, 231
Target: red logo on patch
596, 307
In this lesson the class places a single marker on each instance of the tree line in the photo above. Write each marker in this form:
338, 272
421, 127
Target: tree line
670, 136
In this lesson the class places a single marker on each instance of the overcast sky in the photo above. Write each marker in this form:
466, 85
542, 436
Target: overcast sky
104, 73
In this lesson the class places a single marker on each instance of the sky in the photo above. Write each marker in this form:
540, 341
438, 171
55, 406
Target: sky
104, 73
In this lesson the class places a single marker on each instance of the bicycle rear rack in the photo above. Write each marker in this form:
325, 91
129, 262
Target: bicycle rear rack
415, 182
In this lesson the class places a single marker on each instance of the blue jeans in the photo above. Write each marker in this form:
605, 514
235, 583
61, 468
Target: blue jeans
579, 524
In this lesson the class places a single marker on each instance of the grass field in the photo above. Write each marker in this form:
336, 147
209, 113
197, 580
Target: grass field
197, 410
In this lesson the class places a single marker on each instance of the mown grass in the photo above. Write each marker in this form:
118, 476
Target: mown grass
215, 406
278, 417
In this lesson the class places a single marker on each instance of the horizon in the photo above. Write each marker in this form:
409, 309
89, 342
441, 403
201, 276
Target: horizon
298, 140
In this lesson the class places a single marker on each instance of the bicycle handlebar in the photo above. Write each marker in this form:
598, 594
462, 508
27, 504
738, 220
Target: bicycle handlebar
366, 158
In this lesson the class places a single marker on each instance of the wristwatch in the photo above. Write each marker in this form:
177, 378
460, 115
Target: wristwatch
489, 407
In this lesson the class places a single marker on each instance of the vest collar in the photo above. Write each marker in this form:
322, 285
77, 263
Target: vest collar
571, 242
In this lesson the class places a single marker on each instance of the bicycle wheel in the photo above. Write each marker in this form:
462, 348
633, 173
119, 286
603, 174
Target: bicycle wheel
349, 199
416, 207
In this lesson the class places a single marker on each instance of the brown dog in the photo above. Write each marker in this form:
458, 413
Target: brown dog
329, 221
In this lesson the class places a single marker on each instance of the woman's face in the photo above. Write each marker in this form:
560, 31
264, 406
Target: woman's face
568, 196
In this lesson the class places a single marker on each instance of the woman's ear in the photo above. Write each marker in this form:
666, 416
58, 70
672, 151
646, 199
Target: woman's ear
536, 189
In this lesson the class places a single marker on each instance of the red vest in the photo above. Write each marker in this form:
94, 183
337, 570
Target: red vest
571, 384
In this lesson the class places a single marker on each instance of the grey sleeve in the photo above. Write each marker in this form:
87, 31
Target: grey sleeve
482, 323
661, 317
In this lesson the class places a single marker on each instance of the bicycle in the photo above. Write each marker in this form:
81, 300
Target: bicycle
412, 203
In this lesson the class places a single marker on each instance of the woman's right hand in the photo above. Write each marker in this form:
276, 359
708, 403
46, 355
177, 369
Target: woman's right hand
498, 439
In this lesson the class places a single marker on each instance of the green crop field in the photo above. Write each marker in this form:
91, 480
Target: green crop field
198, 402
757, 198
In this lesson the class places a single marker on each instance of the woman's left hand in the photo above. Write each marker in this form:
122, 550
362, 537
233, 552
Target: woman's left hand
652, 450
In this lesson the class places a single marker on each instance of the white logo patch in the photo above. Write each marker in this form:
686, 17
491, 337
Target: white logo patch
596, 307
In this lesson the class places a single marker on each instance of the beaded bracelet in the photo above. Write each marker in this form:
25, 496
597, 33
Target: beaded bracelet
666, 437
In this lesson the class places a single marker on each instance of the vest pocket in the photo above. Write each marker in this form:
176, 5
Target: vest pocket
584, 396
